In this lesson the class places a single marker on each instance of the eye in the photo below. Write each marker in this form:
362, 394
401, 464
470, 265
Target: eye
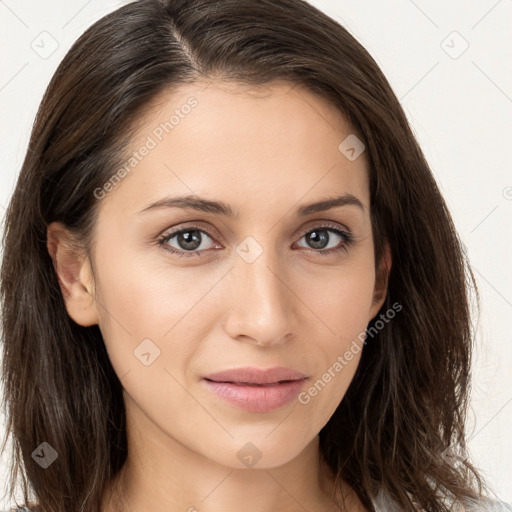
188, 241
319, 239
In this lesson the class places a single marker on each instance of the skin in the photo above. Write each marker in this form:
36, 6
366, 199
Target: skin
265, 151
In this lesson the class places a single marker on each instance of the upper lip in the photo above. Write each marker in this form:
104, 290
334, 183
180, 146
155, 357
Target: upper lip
251, 375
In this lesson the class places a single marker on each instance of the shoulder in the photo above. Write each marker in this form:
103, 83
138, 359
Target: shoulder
384, 503
19, 508
487, 505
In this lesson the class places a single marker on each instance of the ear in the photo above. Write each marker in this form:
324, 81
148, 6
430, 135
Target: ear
74, 274
381, 282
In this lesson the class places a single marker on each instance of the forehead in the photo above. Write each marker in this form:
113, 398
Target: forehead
273, 142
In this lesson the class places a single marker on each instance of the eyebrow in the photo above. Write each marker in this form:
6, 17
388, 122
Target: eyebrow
220, 208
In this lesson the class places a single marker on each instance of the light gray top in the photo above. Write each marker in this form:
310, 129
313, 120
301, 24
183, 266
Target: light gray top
384, 503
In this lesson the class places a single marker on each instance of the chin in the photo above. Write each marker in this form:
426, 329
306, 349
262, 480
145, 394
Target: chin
258, 451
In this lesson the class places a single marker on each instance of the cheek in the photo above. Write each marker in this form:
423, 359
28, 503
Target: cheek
138, 302
342, 300
149, 332
342, 306
327, 389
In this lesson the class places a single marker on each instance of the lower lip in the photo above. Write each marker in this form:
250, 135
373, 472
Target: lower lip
257, 398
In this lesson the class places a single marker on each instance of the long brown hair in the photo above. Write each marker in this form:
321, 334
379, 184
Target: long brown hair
404, 411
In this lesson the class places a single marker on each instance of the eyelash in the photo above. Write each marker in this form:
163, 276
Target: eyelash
348, 240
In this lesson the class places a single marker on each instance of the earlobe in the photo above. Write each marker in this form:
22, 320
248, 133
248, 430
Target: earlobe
73, 272
381, 282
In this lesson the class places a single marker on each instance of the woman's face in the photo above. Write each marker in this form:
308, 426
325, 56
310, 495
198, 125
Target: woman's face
258, 285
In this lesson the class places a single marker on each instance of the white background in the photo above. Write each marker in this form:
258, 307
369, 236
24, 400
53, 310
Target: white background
460, 107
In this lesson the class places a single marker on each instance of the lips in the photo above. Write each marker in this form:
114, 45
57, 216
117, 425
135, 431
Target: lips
256, 390
255, 376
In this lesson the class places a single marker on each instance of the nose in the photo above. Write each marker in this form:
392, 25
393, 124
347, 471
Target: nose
262, 306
